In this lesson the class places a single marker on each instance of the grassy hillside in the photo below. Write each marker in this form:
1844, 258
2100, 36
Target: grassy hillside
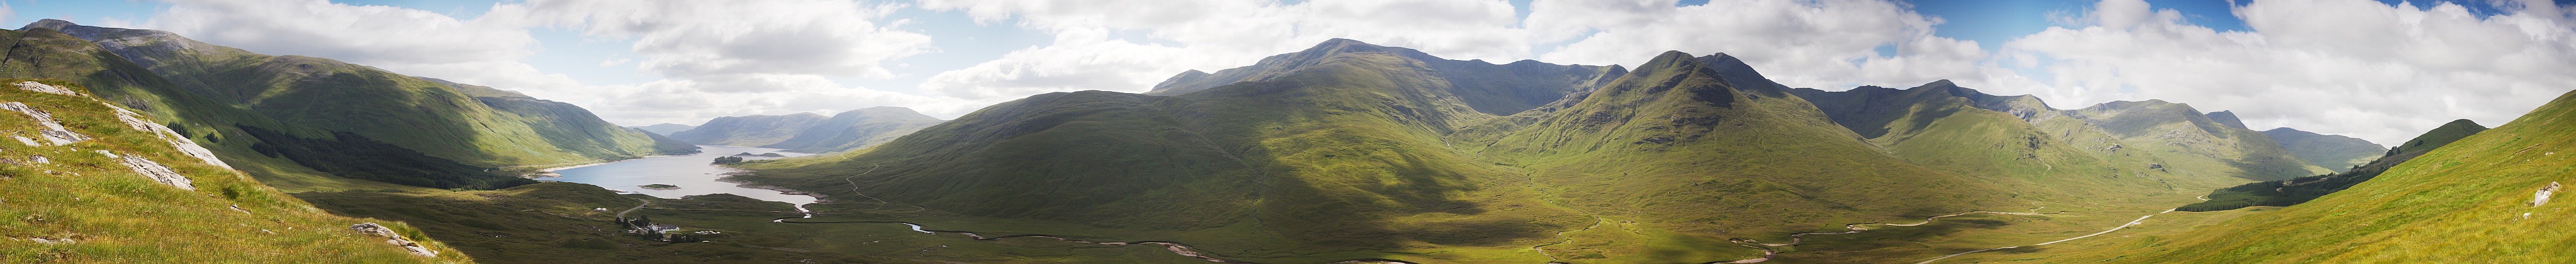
1680, 151
856, 129
1359, 155
1341, 159
71, 203
2303, 189
2336, 152
415, 113
43, 53
2468, 201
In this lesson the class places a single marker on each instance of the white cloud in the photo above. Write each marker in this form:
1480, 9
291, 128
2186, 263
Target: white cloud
1209, 35
690, 39
2361, 68
695, 101
717, 58
372, 35
1080, 60
1828, 44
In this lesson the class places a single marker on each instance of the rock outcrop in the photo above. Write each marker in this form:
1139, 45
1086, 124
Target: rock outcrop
176, 140
46, 88
372, 229
53, 132
152, 170
2542, 197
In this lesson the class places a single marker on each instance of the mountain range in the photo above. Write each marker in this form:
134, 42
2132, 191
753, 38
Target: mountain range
809, 132
1355, 151
1345, 152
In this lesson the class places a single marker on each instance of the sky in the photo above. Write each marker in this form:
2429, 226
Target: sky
2384, 71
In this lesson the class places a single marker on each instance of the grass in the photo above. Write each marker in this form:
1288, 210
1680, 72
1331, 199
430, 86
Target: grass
2462, 202
2285, 193
555, 223
215, 88
117, 216
1359, 157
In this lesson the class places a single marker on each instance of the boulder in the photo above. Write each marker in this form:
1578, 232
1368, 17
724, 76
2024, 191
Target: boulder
373, 229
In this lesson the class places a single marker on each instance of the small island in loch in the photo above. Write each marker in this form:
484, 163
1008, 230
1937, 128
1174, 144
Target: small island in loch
658, 186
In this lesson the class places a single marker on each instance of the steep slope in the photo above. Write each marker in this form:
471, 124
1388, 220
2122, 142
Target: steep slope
569, 127
414, 113
249, 141
1115, 151
92, 182
2336, 152
751, 130
665, 128
2300, 190
856, 129
1694, 159
1939, 125
2469, 201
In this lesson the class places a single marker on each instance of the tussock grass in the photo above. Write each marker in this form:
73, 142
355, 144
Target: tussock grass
113, 215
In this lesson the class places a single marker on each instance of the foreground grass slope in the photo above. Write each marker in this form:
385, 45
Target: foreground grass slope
2469, 201
71, 203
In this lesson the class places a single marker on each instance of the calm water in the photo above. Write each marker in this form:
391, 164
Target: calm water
692, 173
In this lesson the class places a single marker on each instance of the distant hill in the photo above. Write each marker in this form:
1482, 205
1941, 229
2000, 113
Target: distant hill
664, 128
751, 130
808, 132
856, 129
2336, 152
2139, 139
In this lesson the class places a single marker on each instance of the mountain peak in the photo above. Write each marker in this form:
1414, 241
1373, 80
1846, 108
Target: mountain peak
49, 23
2227, 118
884, 113
1669, 59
